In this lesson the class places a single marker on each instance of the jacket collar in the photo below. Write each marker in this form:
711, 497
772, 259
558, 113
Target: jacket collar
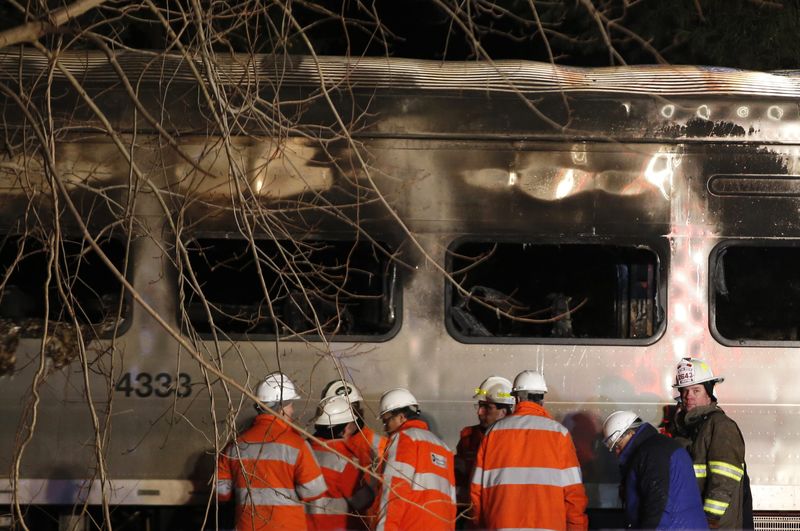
697, 414
643, 433
266, 419
531, 408
413, 423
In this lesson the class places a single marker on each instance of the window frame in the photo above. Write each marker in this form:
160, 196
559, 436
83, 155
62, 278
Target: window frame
658, 246
127, 322
295, 338
713, 257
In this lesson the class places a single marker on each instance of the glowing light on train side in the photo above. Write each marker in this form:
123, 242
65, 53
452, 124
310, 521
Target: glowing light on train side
566, 184
512, 178
659, 172
743, 111
668, 111
704, 112
775, 112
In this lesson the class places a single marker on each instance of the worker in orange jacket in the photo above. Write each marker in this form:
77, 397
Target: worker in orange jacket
418, 487
365, 443
471, 436
346, 494
527, 474
269, 469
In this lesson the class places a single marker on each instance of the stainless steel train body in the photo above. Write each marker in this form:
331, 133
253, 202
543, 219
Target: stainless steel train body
595, 224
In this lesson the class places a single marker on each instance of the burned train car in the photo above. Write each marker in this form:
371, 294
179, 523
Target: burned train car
170, 234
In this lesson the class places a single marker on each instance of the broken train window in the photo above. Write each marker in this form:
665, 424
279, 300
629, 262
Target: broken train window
755, 293
294, 289
92, 291
527, 290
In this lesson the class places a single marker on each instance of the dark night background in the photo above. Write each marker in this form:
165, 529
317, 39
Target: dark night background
749, 34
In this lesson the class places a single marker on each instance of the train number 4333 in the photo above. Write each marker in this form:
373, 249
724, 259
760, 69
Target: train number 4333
162, 385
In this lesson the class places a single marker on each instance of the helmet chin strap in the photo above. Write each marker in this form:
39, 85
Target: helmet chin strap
709, 386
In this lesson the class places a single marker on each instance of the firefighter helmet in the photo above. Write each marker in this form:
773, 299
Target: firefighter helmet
692, 371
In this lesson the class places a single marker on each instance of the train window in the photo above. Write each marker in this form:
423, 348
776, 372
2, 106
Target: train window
755, 293
347, 290
92, 291
553, 292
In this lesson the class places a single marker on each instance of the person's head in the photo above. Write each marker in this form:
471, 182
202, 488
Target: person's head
529, 386
695, 382
480, 395
346, 389
336, 419
396, 407
497, 404
618, 429
277, 392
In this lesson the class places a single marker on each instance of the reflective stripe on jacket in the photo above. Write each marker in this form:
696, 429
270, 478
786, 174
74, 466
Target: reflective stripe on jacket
527, 474
717, 449
418, 488
269, 471
466, 452
658, 485
332, 510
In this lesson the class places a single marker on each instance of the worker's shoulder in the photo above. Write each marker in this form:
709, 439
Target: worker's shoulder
532, 423
470, 431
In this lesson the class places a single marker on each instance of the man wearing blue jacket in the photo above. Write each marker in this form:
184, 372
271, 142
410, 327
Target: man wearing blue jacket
659, 490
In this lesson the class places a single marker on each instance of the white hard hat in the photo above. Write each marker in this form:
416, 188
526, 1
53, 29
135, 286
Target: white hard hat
483, 388
334, 410
395, 399
615, 425
500, 393
276, 387
342, 388
692, 371
530, 381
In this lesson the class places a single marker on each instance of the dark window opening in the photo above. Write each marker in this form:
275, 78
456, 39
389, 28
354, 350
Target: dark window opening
756, 293
92, 291
341, 288
522, 290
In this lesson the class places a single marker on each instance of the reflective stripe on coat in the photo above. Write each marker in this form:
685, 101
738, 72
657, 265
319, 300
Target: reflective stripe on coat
269, 471
418, 488
527, 474
717, 449
332, 511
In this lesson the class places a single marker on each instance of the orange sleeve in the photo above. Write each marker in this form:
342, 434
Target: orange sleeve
308, 479
575, 498
396, 487
476, 487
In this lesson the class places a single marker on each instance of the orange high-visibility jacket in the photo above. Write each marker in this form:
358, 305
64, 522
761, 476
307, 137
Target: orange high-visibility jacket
466, 452
367, 445
418, 489
333, 511
269, 470
527, 474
